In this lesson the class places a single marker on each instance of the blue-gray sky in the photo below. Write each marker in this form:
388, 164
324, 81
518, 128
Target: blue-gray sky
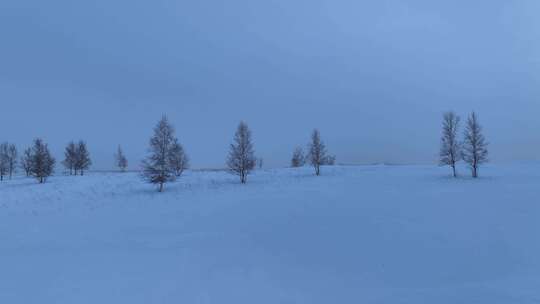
373, 76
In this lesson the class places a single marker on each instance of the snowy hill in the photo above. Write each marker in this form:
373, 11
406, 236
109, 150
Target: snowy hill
366, 234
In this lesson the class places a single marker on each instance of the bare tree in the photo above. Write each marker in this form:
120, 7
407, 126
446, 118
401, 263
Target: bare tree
450, 152
157, 167
70, 158
26, 161
4, 163
241, 158
121, 160
178, 158
12, 159
42, 161
317, 151
298, 159
474, 146
82, 158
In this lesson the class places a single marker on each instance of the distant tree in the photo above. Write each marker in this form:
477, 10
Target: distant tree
260, 162
298, 159
121, 160
329, 160
450, 152
178, 158
157, 168
317, 151
26, 161
70, 158
474, 146
4, 163
42, 161
82, 158
12, 159
241, 158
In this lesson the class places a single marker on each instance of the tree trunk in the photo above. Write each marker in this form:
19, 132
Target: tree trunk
160, 187
454, 170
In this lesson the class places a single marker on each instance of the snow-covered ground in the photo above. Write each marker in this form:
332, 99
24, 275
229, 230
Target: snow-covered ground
366, 234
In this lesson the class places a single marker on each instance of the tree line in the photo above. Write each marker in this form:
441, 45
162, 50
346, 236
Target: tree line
36, 161
167, 159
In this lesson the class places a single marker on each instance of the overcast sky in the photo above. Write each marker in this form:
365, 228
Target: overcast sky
373, 76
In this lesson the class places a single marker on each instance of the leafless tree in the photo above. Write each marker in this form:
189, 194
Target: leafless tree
298, 159
82, 158
121, 160
42, 161
450, 152
12, 159
26, 161
8, 160
157, 167
241, 158
4, 163
70, 158
317, 151
178, 158
474, 146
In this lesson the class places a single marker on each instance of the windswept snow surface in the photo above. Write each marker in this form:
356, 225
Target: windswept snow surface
366, 234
